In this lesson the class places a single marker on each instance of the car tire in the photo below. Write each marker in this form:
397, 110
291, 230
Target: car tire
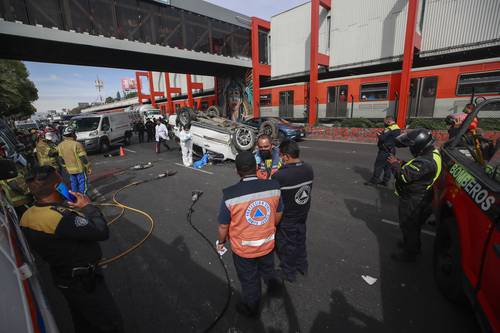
185, 116
213, 111
269, 128
446, 261
244, 138
104, 145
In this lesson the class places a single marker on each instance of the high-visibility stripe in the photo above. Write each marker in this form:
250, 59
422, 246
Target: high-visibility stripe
258, 242
414, 167
252, 196
403, 177
436, 156
296, 186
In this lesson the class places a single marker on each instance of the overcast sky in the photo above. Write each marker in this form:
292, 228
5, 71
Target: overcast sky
63, 86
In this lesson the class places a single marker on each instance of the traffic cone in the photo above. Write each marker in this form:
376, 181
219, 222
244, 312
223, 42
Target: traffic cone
122, 152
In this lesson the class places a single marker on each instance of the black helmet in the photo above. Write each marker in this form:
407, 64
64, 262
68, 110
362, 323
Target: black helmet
418, 140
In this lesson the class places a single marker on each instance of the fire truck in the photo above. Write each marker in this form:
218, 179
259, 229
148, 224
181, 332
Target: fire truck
467, 206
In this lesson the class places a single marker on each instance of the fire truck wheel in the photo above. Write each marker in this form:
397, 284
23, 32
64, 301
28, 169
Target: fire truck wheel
447, 269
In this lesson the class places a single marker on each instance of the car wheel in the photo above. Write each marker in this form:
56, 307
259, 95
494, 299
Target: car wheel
269, 128
244, 138
213, 111
185, 116
104, 146
446, 261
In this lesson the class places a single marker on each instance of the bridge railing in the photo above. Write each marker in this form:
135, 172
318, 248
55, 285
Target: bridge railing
143, 21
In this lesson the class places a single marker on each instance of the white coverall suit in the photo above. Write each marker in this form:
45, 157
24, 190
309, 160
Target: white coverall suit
186, 141
161, 135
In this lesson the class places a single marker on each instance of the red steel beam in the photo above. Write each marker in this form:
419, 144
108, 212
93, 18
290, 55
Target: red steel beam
258, 69
151, 89
190, 87
169, 90
407, 63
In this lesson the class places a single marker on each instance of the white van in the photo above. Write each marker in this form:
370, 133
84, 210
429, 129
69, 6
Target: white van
98, 131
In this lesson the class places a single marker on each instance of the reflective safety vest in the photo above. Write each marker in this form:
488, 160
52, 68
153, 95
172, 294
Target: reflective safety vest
425, 183
70, 151
392, 127
253, 216
43, 149
267, 168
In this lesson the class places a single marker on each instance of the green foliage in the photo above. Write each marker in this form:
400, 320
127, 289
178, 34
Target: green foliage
17, 91
357, 122
109, 99
118, 96
432, 124
489, 124
130, 94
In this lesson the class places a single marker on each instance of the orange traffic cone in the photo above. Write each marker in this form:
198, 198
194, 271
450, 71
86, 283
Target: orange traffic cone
122, 152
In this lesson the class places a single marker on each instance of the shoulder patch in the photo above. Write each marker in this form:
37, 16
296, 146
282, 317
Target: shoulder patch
80, 221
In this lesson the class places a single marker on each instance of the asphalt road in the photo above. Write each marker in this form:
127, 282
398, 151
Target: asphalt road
174, 283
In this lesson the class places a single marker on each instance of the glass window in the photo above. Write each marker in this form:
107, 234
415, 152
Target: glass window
105, 124
80, 20
222, 38
263, 47
46, 13
265, 100
480, 83
196, 32
102, 14
171, 28
331, 94
373, 92
85, 124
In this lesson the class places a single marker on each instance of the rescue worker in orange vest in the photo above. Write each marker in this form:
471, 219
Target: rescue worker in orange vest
267, 157
249, 213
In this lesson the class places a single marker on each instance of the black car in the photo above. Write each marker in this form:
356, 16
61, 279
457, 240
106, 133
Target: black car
285, 129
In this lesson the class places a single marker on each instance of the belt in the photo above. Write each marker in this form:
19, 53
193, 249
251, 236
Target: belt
83, 271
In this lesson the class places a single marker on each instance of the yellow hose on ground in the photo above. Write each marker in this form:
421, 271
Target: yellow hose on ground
124, 207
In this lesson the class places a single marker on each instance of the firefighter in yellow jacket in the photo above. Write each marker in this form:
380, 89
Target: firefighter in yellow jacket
73, 157
46, 151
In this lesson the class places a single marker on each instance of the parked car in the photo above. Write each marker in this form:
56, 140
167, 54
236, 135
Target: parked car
99, 131
26, 125
467, 207
285, 129
216, 134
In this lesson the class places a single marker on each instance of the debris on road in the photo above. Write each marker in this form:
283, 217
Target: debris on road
368, 279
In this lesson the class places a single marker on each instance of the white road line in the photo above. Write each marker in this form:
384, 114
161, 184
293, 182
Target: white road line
306, 147
130, 150
427, 232
182, 165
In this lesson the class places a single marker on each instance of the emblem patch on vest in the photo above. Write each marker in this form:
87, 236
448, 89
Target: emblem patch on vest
303, 194
258, 212
80, 221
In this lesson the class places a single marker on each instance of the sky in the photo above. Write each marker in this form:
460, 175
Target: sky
64, 86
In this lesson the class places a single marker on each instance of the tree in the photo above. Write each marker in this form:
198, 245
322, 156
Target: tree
76, 110
17, 91
109, 99
118, 96
131, 94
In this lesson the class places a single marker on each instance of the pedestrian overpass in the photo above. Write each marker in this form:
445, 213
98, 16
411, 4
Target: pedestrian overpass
183, 36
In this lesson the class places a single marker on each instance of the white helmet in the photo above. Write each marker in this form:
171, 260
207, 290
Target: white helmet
51, 136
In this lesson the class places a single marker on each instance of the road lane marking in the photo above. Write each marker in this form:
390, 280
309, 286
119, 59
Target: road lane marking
129, 150
182, 165
306, 147
427, 232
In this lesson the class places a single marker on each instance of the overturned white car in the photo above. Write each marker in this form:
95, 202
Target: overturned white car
219, 136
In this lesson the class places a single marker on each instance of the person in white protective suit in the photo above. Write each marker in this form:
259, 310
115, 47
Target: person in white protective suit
186, 141
161, 135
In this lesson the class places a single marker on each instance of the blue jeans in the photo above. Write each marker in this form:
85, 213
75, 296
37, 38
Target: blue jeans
79, 182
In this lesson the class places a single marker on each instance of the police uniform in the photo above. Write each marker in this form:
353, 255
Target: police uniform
414, 182
386, 147
267, 168
67, 240
46, 154
74, 158
250, 207
296, 180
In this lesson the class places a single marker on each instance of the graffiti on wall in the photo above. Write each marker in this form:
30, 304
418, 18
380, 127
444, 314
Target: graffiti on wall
236, 96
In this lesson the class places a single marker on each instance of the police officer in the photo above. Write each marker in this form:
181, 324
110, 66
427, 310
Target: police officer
66, 236
296, 180
150, 130
73, 157
386, 148
249, 213
414, 180
267, 157
46, 151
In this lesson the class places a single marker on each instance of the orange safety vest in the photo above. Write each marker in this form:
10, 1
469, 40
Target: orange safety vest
253, 222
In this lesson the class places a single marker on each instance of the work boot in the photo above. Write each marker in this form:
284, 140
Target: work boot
274, 287
247, 310
370, 183
403, 256
285, 277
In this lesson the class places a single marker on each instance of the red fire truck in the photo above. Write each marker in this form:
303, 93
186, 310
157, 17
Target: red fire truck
467, 207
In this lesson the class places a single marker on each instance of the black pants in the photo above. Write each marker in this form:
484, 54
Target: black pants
250, 271
150, 136
141, 136
381, 167
93, 311
291, 247
413, 212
